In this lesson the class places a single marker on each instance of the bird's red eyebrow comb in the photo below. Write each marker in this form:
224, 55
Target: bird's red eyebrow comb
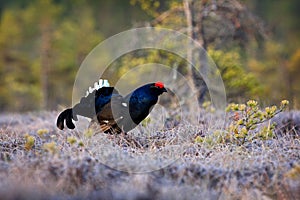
159, 84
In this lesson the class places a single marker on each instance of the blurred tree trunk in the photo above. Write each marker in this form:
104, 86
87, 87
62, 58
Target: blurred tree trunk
196, 32
45, 61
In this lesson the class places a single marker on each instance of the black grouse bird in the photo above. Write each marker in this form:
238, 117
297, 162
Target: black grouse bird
114, 112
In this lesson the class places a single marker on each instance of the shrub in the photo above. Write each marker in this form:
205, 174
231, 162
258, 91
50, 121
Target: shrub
243, 123
246, 117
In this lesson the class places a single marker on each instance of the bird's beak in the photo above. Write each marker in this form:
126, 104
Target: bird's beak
164, 90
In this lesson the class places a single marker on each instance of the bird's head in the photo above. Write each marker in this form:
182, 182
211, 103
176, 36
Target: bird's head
158, 88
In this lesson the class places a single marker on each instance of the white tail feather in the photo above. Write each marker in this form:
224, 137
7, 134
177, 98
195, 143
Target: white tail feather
97, 85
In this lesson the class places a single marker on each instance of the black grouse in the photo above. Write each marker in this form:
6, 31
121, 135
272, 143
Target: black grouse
114, 112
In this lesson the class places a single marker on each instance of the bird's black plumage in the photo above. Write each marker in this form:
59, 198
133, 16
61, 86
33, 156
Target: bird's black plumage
114, 112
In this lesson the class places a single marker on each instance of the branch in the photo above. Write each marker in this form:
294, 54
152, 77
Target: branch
164, 15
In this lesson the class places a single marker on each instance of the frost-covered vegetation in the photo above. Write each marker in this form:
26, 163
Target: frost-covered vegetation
40, 161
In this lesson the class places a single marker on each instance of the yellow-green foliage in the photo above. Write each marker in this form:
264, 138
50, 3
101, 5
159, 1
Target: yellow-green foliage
293, 72
88, 133
216, 138
35, 24
71, 140
238, 82
144, 57
42, 132
294, 173
50, 147
246, 117
153, 7
146, 121
208, 107
30, 140
277, 71
80, 143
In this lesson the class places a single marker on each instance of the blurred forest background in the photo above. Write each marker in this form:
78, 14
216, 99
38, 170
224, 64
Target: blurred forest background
255, 44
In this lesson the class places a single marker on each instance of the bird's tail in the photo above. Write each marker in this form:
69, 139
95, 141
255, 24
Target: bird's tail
66, 115
85, 108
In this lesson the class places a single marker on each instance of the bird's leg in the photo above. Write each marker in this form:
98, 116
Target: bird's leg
123, 133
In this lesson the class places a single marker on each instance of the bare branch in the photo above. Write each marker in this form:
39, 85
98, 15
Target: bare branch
164, 15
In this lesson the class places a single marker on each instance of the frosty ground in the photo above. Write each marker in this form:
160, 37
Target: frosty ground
63, 164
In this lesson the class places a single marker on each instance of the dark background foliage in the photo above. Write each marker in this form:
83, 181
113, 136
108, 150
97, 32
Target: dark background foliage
43, 43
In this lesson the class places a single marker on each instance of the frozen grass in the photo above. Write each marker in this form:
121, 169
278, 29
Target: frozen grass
76, 165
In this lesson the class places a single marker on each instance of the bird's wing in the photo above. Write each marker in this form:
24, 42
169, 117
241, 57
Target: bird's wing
112, 114
92, 104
